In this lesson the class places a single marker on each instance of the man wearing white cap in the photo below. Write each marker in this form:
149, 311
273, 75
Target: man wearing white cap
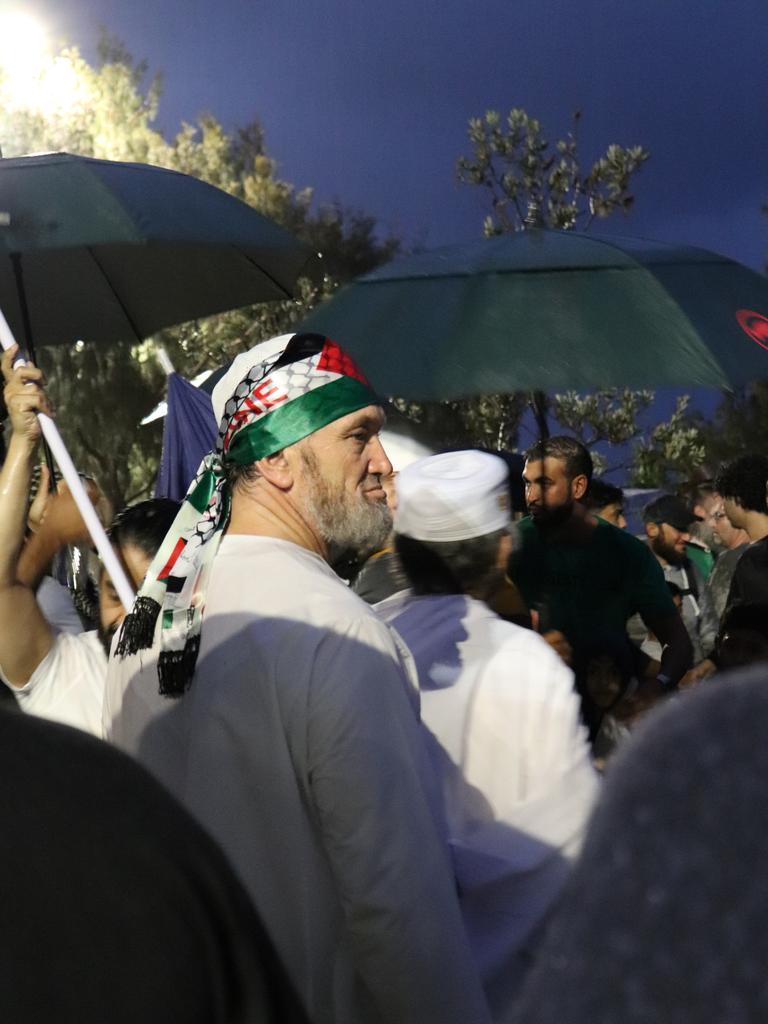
381, 575
296, 742
500, 708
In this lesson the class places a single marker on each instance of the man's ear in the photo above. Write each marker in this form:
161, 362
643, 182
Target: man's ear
277, 470
579, 486
652, 530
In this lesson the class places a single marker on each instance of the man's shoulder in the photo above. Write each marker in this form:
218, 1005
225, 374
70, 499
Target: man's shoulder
272, 576
478, 626
80, 647
522, 665
751, 570
613, 545
756, 553
527, 531
727, 559
509, 639
604, 535
621, 540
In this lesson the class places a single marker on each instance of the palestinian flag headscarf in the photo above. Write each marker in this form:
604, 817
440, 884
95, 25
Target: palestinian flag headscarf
278, 401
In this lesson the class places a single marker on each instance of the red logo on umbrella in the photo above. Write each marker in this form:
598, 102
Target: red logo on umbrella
755, 325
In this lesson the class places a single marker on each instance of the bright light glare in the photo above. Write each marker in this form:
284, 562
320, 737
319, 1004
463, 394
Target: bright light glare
30, 77
23, 45
58, 87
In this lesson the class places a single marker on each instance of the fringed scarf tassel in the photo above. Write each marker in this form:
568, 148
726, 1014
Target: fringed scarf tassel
138, 630
175, 668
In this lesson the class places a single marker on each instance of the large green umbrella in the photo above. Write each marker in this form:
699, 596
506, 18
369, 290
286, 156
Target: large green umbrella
550, 310
102, 251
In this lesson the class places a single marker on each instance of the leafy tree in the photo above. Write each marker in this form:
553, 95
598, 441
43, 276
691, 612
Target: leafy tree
533, 184
666, 456
487, 421
110, 112
738, 427
102, 429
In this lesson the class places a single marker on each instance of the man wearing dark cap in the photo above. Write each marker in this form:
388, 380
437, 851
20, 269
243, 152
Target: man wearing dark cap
274, 703
667, 522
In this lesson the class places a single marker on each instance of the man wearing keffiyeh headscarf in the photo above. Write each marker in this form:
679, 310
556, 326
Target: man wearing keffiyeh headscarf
275, 704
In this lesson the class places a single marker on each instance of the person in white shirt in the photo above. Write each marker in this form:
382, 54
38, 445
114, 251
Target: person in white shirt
272, 701
499, 707
55, 674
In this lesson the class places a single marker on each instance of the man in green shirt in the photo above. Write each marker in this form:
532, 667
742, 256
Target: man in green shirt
584, 576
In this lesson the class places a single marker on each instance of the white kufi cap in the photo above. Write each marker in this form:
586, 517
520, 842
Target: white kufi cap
401, 449
454, 496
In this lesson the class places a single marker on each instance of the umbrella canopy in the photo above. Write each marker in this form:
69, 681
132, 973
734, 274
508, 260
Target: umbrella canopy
104, 251
550, 310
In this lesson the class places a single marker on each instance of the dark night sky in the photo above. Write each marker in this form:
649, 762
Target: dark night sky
368, 102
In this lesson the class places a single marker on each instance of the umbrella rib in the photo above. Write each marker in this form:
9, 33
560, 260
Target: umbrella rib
90, 250
275, 282
636, 266
667, 262
487, 271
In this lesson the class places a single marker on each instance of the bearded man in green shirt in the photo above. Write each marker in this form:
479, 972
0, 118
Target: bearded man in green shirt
584, 576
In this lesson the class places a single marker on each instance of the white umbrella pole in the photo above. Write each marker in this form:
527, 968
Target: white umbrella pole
66, 465
164, 359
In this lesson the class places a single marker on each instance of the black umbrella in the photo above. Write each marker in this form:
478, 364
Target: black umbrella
103, 251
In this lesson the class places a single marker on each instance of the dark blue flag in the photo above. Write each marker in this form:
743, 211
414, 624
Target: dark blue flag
189, 434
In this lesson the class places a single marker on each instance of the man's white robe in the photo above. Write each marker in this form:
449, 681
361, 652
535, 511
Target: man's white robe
298, 747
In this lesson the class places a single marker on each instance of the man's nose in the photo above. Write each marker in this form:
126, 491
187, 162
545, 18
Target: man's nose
378, 464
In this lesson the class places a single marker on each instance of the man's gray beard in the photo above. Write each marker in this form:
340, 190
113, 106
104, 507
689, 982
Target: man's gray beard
351, 526
705, 533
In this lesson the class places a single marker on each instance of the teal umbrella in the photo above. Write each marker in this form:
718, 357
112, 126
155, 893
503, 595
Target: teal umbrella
550, 310
102, 251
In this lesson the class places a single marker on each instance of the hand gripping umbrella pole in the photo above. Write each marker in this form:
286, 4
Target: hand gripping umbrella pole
95, 529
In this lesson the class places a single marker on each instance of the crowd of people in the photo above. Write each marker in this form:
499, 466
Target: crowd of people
347, 746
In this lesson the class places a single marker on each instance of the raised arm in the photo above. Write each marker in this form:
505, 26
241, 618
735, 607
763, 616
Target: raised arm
25, 635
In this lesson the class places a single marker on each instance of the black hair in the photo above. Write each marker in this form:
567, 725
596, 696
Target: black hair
601, 493
744, 481
578, 461
240, 475
449, 567
144, 524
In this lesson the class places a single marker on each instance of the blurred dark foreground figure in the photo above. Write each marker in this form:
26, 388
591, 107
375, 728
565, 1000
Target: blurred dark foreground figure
116, 906
664, 916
